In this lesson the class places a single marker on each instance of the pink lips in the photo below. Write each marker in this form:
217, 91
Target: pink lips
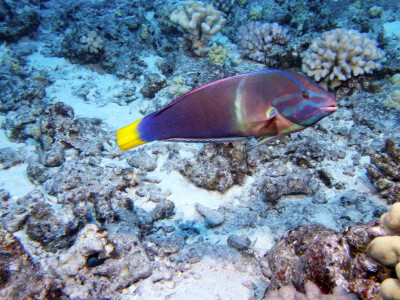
332, 108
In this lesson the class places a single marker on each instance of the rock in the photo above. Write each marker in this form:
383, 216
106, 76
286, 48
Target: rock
123, 262
162, 273
167, 244
15, 212
298, 183
217, 167
17, 270
78, 181
54, 157
142, 161
4, 195
53, 125
22, 23
163, 210
53, 229
312, 291
19, 84
239, 242
10, 157
384, 171
212, 217
37, 173
329, 259
152, 84
128, 264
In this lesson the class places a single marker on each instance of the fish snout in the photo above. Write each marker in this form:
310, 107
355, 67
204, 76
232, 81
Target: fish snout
330, 108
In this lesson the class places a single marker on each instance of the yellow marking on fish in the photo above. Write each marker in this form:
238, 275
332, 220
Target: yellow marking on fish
271, 112
240, 107
292, 128
128, 136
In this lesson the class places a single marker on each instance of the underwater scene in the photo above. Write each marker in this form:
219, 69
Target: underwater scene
214, 149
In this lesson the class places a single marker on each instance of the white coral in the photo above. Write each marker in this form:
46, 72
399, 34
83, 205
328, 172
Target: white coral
92, 42
340, 54
199, 22
257, 38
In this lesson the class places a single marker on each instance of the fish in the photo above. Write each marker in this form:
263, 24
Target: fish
267, 104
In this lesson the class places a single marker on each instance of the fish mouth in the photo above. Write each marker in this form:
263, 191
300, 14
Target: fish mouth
330, 108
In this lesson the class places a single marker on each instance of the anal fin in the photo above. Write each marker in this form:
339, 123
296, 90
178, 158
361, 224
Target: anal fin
206, 140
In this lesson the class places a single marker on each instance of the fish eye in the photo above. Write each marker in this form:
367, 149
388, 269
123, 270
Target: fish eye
305, 94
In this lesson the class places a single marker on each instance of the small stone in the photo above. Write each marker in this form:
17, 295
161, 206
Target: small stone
54, 157
37, 173
239, 242
212, 217
168, 229
152, 84
197, 276
142, 161
375, 11
4, 195
163, 210
10, 157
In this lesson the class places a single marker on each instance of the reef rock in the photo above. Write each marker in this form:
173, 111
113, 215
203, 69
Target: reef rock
283, 183
384, 172
54, 229
329, 259
20, 278
239, 242
104, 261
217, 167
212, 217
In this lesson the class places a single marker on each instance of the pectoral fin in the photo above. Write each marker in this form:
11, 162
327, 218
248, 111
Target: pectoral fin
264, 141
269, 116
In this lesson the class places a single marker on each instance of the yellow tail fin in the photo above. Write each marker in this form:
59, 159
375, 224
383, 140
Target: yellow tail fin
128, 136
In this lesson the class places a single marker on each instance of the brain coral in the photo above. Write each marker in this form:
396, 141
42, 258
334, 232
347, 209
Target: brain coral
340, 54
257, 39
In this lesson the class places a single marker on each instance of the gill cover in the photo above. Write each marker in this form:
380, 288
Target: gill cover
306, 106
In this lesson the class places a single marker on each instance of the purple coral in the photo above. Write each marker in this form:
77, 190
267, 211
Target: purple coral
257, 39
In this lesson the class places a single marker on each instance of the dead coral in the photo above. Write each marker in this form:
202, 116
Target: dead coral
20, 278
384, 172
311, 292
107, 261
328, 259
217, 167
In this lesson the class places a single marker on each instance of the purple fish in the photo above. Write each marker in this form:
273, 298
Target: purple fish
267, 104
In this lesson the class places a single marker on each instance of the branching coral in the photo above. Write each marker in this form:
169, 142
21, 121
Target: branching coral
339, 55
257, 39
224, 5
199, 24
217, 55
92, 42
